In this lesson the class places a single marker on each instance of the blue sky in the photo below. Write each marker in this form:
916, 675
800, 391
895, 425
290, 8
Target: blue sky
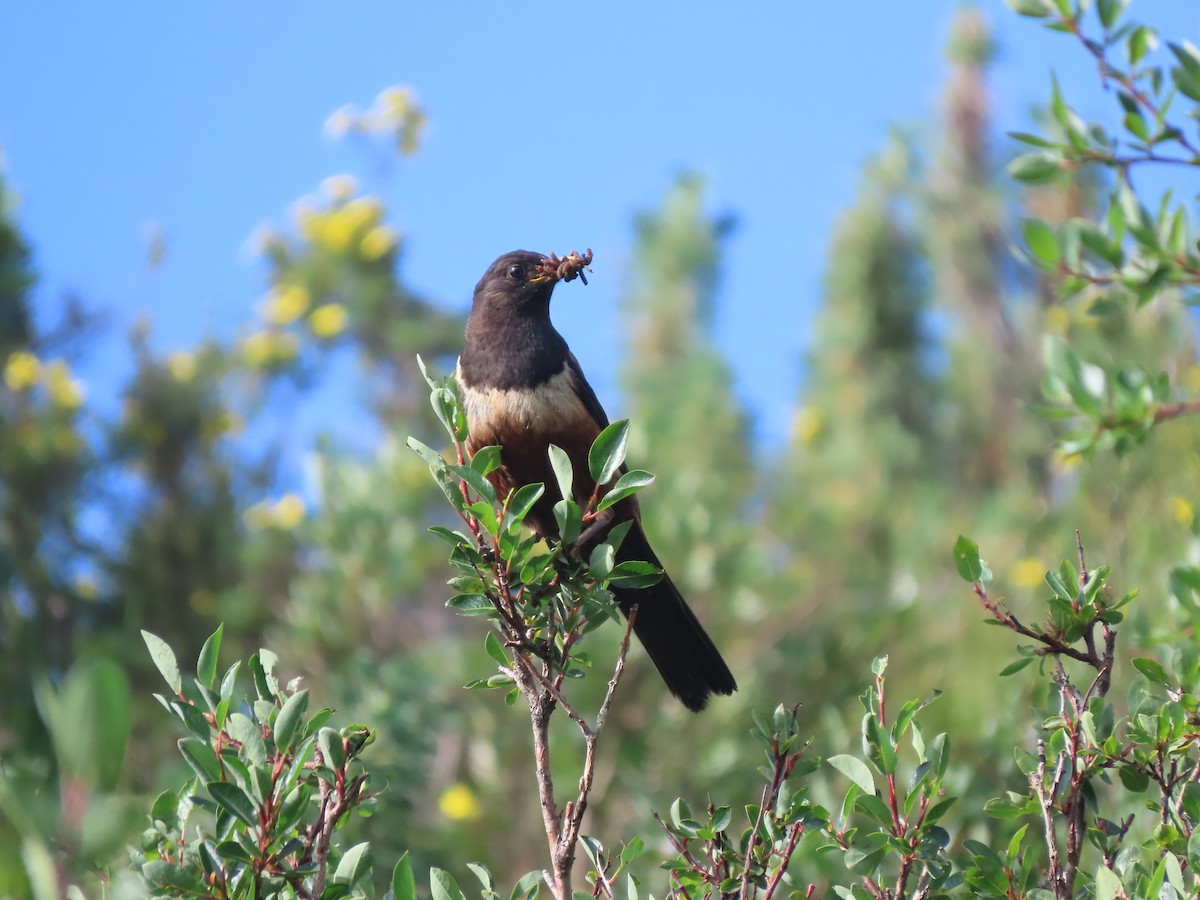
207, 119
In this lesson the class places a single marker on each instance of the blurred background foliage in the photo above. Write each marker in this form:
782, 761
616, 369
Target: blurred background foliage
911, 425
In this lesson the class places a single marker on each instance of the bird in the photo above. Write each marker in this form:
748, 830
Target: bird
523, 389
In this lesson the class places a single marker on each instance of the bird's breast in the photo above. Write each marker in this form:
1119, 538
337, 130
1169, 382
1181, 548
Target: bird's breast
541, 412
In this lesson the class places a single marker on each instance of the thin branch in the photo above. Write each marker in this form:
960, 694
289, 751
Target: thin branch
574, 817
1175, 410
1045, 801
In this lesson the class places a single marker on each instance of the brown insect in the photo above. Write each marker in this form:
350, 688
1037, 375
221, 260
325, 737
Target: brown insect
567, 268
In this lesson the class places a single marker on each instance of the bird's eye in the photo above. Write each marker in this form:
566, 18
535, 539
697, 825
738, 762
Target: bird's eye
516, 270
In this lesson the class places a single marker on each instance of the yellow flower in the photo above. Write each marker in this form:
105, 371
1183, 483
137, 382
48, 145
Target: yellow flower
1191, 379
806, 426
362, 213
265, 348
1027, 573
182, 366
459, 802
65, 392
1057, 320
256, 349
396, 101
336, 231
1065, 462
286, 305
1183, 511
376, 242
289, 512
328, 321
21, 371
285, 514
258, 517
340, 187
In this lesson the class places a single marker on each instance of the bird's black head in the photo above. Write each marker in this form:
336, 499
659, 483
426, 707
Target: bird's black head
515, 285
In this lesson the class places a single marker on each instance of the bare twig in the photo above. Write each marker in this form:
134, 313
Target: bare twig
574, 817
1046, 801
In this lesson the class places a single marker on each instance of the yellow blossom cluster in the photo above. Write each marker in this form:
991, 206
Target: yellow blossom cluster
264, 349
284, 514
806, 426
286, 304
1183, 511
1027, 573
459, 803
344, 226
395, 112
182, 366
328, 321
23, 371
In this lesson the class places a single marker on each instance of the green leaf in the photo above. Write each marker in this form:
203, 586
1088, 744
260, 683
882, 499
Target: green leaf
608, 452
486, 460
1175, 874
495, 650
966, 559
333, 749
1141, 41
485, 878
206, 664
854, 769
1187, 82
1031, 139
1034, 9
1188, 56
1153, 670
1016, 666
429, 379
476, 482
1036, 168
164, 659
289, 718
629, 483
200, 756
234, 800
1042, 241
563, 472
521, 501
355, 865
248, 733
635, 574
165, 807
443, 886
161, 873
1193, 850
600, 562
570, 520
404, 885
1110, 11
427, 453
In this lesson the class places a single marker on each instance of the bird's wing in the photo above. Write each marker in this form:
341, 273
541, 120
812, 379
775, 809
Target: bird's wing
585, 393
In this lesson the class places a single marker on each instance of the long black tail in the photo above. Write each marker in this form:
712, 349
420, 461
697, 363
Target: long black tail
679, 646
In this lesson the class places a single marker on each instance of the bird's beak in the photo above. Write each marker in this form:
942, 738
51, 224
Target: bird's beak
541, 279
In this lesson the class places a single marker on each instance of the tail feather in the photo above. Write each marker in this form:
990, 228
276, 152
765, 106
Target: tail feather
676, 642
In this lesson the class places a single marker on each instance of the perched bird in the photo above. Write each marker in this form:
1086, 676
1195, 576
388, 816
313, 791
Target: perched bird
523, 390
